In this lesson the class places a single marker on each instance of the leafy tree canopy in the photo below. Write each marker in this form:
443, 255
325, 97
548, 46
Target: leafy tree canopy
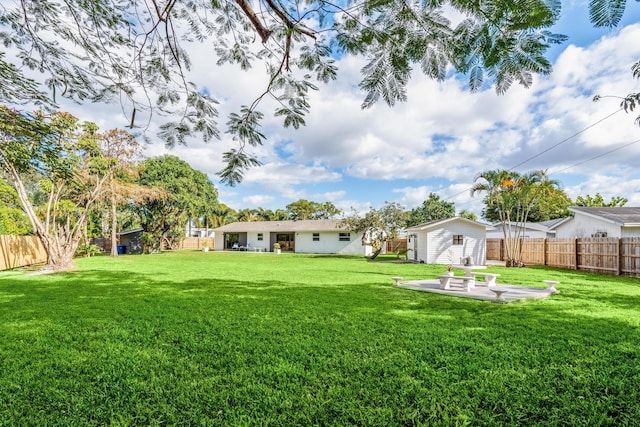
13, 220
468, 215
376, 226
305, 209
187, 193
431, 209
597, 201
135, 52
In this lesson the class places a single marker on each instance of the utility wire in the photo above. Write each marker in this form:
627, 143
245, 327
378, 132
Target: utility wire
596, 157
566, 139
450, 198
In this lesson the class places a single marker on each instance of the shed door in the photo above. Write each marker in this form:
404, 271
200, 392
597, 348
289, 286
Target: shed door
414, 238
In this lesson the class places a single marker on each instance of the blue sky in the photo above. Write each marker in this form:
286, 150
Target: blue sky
442, 137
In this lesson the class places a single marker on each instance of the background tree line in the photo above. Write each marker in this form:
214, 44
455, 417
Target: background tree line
65, 182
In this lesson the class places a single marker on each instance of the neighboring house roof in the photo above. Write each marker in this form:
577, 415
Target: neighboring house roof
441, 222
550, 224
132, 231
624, 216
281, 226
538, 226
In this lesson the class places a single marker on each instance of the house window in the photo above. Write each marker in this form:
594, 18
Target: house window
344, 237
260, 236
457, 239
316, 237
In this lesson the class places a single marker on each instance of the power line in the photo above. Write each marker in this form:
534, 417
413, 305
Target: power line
596, 157
450, 198
566, 139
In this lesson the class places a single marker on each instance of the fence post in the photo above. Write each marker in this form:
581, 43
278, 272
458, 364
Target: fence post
575, 251
620, 254
545, 250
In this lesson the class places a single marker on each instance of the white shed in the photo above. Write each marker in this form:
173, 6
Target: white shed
600, 222
447, 241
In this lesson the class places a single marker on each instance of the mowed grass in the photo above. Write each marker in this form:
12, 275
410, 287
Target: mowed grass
241, 339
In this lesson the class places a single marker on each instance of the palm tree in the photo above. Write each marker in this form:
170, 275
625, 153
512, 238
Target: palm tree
247, 215
512, 196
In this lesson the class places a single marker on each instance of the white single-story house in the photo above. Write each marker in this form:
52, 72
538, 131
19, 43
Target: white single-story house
600, 222
447, 241
322, 236
532, 230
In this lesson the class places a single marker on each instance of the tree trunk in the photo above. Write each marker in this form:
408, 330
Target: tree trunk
114, 228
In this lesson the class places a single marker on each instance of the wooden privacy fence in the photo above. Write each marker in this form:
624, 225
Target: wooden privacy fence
396, 244
610, 255
20, 251
196, 243
188, 243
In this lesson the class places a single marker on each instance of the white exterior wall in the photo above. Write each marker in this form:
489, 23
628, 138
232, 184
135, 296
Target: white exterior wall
218, 243
584, 226
253, 242
630, 231
434, 245
329, 243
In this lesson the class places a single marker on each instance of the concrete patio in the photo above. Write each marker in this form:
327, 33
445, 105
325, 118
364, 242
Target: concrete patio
479, 291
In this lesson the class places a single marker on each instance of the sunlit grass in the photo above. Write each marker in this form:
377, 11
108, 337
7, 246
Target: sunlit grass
196, 338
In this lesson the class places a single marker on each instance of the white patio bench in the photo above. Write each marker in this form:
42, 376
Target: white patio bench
499, 291
467, 281
551, 286
489, 278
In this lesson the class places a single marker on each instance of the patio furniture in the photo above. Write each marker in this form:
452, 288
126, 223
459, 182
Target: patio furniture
467, 281
551, 286
499, 291
489, 278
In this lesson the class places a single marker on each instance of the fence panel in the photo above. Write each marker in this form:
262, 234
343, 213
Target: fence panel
533, 251
561, 253
598, 254
396, 244
494, 249
191, 243
630, 254
20, 251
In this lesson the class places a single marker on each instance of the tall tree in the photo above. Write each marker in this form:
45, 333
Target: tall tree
513, 196
377, 226
122, 152
72, 171
186, 191
305, 209
125, 48
431, 209
597, 201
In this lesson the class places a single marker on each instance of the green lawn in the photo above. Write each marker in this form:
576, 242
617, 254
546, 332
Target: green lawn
242, 339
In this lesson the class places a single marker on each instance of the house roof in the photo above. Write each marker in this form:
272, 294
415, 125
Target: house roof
440, 222
125, 232
538, 226
281, 226
624, 216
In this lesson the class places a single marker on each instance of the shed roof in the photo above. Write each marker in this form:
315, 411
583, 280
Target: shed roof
441, 222
132, 231
281, 226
